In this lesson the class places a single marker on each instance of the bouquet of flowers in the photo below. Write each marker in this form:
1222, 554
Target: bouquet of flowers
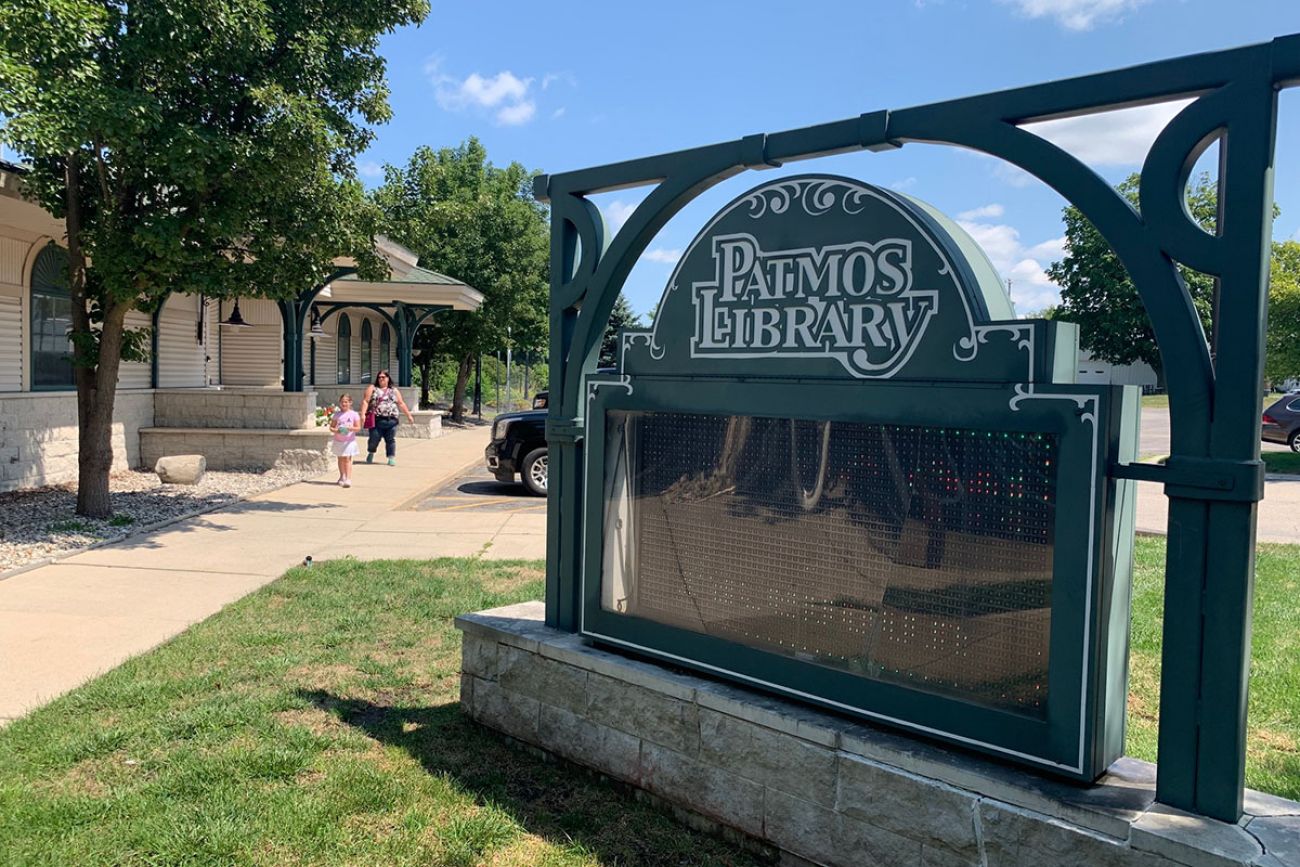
324, 414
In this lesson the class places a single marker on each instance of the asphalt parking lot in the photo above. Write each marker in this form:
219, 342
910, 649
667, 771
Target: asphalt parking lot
477, 491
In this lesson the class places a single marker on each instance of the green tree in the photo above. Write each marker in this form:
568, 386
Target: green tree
622, 316
1283, 340
1096, 291
480, 223
190, 146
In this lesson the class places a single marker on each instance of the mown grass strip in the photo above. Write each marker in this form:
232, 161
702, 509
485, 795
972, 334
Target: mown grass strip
315, 722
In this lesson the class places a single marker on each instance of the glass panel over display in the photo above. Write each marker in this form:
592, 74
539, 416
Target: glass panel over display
918, 556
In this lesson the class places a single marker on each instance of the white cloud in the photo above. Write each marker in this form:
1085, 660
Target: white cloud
505, 94
558, 113
1110, 138
903, 184
982, 212
664, 255
514, 115
1296, 236
617, 212
1012, 176
1031, 288
370, 169
552, 77
1076, 14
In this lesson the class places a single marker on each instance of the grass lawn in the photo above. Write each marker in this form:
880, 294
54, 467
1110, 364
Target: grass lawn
1281, 462
1273, 741
314, 722
1160, 401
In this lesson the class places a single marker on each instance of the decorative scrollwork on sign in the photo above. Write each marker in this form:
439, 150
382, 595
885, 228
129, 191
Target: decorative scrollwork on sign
816, 197
1087, 403
624, 382
1022, 334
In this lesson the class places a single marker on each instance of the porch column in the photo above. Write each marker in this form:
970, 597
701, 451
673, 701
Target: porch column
293, 315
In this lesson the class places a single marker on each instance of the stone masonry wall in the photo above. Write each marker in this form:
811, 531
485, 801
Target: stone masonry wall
265, 409
229, 448
38, 436
821, 787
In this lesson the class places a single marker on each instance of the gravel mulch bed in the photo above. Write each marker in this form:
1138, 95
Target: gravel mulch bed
42, 523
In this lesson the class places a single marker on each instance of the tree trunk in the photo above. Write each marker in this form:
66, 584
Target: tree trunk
458, 397
95, 371
425, 364
95, 419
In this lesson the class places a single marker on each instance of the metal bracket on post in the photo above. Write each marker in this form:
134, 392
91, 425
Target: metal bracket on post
1200, 478
565, 430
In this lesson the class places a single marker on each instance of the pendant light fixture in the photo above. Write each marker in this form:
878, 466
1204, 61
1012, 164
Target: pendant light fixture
235, 319
316, 332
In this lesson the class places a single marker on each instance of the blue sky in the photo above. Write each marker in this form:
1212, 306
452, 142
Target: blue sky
591, 83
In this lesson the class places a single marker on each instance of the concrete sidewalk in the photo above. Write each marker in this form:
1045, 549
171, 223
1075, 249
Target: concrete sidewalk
64, 623
1278, 513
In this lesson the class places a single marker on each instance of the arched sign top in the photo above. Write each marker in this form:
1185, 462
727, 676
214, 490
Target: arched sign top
829, 277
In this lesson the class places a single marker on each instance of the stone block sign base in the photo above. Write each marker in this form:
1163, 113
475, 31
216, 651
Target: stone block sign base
820, 787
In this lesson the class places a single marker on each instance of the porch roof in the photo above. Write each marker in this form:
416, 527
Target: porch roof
414, 285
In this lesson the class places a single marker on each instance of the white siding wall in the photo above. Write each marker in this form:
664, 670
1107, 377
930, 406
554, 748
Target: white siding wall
135, 374
13, 256
181, 357
251, 356
11, 340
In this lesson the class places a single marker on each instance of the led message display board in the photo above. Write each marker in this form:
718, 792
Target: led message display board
837, 467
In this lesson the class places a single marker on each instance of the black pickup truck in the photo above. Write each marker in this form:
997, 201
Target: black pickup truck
518, 447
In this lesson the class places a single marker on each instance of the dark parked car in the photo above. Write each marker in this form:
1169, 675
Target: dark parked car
518, 447
1281, 422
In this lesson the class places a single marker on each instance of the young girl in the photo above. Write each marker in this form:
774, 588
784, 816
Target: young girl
345, 423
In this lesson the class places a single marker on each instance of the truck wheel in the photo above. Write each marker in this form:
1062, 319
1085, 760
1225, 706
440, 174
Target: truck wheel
533, 473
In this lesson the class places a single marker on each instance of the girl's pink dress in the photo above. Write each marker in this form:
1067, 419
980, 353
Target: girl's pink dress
345, 444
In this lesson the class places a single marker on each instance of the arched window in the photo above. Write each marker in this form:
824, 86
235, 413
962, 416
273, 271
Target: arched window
345, 349
51, 320
385, 347
365, 350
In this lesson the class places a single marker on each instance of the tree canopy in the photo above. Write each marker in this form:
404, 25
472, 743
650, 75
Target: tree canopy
190, 146
1096, 291
1282, 343
622, 316
479, 223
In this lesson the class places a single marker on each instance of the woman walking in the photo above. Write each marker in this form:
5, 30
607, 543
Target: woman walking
379, 408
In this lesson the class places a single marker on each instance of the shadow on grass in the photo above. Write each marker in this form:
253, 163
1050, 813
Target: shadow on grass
553, 800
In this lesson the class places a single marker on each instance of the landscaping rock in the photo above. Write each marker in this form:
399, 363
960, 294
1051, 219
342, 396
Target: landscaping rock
181, 469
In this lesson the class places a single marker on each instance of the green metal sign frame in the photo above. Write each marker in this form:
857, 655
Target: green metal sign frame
1087, 673
1214, 477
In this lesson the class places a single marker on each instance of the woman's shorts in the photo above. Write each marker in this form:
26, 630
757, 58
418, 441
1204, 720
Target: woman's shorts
343, 450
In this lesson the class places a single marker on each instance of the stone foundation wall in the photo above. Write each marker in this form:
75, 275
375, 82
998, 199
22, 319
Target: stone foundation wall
264, 409
39, 439
231, 448
428, 424
821, 787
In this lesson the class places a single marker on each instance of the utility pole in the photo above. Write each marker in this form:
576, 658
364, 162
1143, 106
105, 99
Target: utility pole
508, 348
478, 386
